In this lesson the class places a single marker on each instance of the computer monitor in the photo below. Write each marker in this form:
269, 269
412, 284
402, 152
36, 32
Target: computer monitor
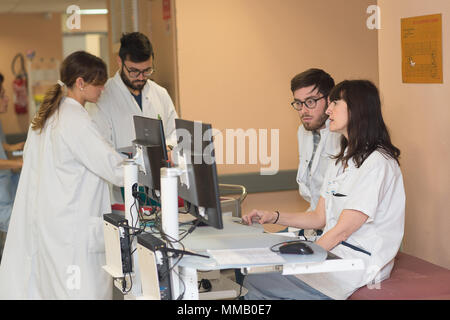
151, 140
198, 185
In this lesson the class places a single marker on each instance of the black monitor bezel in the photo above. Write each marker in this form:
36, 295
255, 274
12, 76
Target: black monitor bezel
150, 143
197, 173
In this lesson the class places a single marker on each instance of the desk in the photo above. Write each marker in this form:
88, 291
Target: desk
237, 236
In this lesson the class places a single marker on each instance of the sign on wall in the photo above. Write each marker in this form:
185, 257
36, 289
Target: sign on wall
166, 9
422, 49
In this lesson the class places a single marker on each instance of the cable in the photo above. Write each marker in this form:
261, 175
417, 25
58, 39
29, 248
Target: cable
240, 289
206, 284
132, 235
180, 297
124, 284
157, 226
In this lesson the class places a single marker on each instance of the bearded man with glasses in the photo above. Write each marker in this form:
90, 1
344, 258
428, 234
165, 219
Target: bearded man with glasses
316, 144
131, 92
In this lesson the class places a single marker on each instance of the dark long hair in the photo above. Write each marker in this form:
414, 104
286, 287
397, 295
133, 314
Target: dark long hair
78, 64
366, 129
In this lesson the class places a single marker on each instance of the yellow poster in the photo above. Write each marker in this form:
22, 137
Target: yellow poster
422, 49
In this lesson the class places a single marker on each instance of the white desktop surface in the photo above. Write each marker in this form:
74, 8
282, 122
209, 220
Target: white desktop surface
237, 236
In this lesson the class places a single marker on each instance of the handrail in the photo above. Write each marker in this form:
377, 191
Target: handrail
235, 187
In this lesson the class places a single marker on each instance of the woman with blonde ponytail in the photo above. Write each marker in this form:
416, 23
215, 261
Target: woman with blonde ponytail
55, 247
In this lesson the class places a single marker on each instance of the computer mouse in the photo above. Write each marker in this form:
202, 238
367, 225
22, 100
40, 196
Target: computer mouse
296, 247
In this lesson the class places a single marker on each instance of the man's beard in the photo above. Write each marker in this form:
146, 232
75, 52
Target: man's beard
316, 125
130, 84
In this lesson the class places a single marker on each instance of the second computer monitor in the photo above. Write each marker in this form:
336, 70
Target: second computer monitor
198, 184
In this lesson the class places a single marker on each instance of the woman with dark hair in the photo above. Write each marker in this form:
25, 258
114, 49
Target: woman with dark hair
55, 247
361, 208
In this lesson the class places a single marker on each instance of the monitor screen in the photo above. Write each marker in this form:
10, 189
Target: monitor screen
150, 139
198, 185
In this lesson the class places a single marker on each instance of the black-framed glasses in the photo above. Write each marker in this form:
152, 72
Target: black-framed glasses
310, 103
135, 73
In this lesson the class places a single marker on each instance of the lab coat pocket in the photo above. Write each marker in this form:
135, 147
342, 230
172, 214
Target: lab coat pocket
96, 242
338, 201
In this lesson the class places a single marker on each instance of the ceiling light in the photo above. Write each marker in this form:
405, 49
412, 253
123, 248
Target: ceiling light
94, 11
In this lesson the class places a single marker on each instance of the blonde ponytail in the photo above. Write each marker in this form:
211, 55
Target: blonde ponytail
48, 107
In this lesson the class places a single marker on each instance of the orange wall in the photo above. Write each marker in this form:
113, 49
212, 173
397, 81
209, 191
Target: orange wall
236, 59
418, 116
20, 32
88, 23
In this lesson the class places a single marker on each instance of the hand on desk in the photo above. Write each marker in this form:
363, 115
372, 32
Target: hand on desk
260, 217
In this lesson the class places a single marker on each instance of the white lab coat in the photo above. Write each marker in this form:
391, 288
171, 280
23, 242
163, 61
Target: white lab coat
115, 110
329, 145
55, 247
114, 113
375, 189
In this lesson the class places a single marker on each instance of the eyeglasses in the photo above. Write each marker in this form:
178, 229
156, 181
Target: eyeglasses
135, 73
310, 103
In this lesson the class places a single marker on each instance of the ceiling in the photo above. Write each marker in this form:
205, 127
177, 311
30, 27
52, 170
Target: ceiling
28, 6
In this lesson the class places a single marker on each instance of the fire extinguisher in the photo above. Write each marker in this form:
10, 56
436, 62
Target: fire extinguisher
20, 91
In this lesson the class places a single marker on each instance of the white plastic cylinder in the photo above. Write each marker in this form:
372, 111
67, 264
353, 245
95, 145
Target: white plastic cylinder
169, 202
169, 217
189, 278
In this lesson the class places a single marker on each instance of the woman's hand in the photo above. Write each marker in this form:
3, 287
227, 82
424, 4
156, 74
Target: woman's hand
260, 217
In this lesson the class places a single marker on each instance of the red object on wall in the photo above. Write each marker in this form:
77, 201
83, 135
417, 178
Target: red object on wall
166, 9
20, 95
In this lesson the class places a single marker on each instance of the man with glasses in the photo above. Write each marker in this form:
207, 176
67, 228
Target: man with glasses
130, 92
316, 143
